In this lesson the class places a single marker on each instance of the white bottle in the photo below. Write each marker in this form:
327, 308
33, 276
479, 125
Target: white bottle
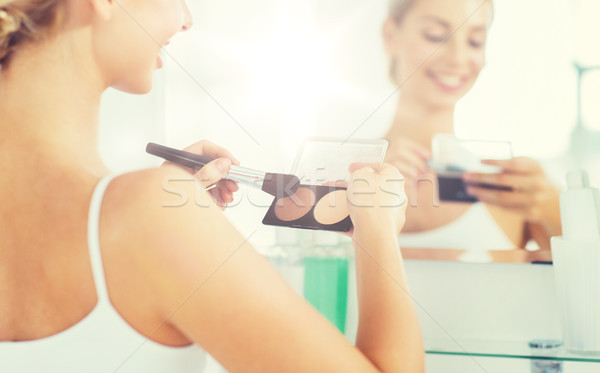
576, 264
580, 209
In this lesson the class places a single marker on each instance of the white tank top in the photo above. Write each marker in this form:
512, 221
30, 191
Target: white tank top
476, 229
102, 341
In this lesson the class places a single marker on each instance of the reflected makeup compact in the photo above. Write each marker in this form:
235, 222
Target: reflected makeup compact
452, 157
322, 164
321, 207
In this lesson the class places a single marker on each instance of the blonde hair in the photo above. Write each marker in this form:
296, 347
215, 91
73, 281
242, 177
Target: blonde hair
397, 9
23, 21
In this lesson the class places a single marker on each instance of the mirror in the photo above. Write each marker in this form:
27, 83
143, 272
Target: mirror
258, 77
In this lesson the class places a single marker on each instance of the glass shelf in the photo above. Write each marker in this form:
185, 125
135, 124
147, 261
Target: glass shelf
504, 349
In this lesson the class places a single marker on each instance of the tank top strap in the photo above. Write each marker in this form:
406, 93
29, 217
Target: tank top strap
93, 236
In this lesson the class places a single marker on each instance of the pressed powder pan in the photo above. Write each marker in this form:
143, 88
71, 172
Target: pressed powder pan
332, 208
295, 206
319, 207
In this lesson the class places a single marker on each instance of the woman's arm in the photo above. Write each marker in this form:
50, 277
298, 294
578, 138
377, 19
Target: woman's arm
385, 304
213, 287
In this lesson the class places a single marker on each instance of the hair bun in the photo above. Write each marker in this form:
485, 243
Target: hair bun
26, 21
9, 24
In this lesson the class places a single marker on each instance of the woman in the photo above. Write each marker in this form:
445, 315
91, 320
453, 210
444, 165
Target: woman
437, 50
122, 283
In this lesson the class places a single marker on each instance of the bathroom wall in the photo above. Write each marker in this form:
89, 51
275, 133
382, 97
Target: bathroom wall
128, 122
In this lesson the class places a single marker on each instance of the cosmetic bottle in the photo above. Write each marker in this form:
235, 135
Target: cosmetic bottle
545, 348
326, 276
576, 264
579, 208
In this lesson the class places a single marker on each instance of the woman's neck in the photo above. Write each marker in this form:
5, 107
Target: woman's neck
419, 123
49, 101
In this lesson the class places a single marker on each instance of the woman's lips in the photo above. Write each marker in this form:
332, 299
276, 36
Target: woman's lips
450, 83
159, 61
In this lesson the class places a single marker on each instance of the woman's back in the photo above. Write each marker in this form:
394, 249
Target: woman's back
42, 248
57, 307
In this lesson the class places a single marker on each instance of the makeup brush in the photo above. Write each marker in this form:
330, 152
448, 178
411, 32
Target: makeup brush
278, 185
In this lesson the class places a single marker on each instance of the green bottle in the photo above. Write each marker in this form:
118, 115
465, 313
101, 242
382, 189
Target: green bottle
326, 277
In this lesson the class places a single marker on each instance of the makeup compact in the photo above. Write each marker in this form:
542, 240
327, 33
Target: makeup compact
320, 202
319, 207
451, 157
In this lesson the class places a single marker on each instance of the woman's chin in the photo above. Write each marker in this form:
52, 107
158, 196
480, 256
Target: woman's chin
140, 87
139, 84
445, 98
439, 101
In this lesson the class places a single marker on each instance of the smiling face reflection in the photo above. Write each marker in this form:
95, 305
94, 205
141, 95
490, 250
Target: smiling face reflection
437, 48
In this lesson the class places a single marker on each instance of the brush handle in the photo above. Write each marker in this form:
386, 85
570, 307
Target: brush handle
183, 158
196, 162
275, 184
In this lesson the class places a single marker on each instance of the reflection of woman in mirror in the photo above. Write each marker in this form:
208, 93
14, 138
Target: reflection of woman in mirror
437, 50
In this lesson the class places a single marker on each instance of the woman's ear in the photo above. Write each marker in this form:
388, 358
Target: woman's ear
103, 8
389, 30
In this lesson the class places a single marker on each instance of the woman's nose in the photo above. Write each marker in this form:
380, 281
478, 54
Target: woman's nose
187, 18
457, 52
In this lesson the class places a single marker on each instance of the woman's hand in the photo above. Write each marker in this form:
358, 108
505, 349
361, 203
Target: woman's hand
533, 195
213, 172
376, 199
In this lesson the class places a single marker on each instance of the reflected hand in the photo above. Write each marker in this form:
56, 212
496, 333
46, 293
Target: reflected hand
532, 196
213, 172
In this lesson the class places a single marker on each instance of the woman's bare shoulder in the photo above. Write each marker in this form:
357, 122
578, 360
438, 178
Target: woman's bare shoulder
146, 184
158, 198
158, 213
